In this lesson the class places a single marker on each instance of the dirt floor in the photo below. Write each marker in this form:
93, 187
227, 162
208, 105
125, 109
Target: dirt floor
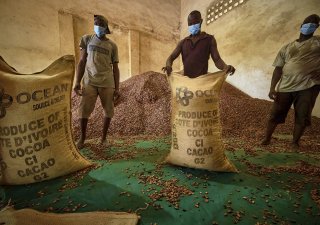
275, 185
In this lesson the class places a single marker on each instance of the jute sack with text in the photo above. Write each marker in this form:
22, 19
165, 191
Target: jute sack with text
35, 124
196, 128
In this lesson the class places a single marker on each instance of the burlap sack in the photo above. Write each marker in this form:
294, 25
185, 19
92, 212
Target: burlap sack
196, 128
32, 217
35, 134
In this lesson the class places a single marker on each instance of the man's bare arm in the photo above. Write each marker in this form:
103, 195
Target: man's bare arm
80, 70
220, 64
176, 52
116, 74
276, 76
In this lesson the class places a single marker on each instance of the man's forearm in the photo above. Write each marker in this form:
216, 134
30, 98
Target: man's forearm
170, 61
176, 52
220, 64
80, 71
116, 74
277, 73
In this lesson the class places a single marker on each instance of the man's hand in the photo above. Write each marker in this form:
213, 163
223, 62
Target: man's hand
230, 70
77, 89
273, 94
167, 70
116, 95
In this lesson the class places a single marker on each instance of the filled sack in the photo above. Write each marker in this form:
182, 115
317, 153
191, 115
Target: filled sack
196, 127
36, 141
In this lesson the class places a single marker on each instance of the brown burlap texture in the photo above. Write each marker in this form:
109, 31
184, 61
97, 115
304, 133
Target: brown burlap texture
31, 217
35, 124
196, 128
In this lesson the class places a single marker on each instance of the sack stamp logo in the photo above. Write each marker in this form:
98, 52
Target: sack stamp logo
5, 102
183, 95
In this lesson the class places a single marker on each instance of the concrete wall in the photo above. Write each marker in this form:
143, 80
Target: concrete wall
36, 32
250, 36
152, 50
29, 35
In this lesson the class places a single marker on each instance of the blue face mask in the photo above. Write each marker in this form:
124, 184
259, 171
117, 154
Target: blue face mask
194, 29
100, 31
308, 28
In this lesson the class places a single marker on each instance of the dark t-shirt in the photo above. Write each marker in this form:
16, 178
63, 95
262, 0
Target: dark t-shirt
195, 56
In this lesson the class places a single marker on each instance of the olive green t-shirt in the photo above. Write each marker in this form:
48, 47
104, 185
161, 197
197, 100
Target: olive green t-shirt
101, 55
301, 65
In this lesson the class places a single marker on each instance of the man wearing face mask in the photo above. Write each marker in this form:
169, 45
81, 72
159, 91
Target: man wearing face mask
296, 80
196, 50
98, 69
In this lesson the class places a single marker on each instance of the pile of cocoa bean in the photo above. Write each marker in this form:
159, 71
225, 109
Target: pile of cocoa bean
144, 107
